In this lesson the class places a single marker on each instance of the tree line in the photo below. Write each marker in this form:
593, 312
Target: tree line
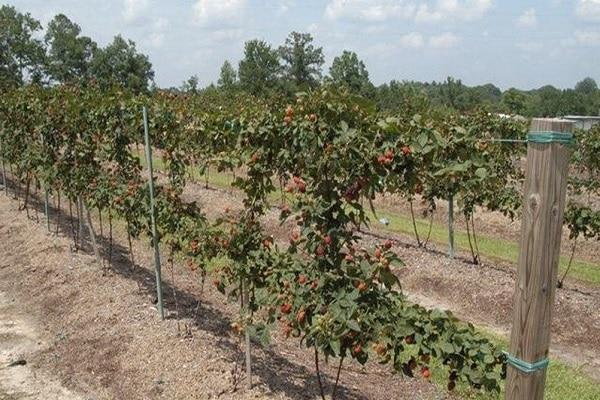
64, 56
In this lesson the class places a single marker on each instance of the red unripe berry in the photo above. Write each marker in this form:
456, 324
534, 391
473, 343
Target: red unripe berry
286, 308
320, 251
425, 372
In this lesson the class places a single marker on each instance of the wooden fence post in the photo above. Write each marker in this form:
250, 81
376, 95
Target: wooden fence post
541, 227
155, 243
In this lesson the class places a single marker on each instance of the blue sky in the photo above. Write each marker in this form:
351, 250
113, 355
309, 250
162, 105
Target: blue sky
517, 43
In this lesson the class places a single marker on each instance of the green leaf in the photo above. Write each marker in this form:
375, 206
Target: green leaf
352, 324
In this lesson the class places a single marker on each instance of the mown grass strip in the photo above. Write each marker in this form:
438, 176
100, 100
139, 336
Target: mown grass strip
490, 247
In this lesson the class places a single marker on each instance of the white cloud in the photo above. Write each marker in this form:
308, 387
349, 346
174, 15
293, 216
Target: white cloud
588, 9
443, 41
528, 19
369, 10
134, 9
420, 11
412, 40
588, 38
466, 10
207, 11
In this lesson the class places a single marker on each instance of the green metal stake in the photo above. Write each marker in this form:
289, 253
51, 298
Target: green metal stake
451, 226
153, 217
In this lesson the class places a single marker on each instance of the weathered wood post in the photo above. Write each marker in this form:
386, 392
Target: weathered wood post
155, 243
541, 226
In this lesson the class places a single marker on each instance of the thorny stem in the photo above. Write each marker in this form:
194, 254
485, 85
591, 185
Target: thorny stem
59, 212
337, 378
414, 223
562, 280
319, 374
110, 238
172, 265
73, 231
469, 237
475, 237
430, 228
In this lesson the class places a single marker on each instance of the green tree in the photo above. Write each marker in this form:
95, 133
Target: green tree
191, 84
547, 102
348, 70
453, 93
228, 77
69, 54
402, 97
302, 60
588, 90
259, 70
21, 54
514, 101
120, 63
587, 87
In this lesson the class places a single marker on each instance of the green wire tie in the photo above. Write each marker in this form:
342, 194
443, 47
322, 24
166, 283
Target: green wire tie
524, 366
541, 137
551, 137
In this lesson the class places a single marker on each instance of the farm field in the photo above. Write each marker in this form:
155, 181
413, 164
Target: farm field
335, 216
283, 247
145, 356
